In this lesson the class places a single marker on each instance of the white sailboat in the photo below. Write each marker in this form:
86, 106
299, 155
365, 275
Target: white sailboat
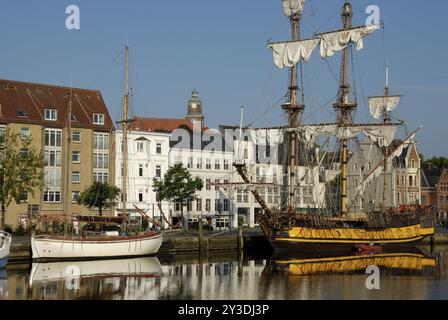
5, 246
107, 244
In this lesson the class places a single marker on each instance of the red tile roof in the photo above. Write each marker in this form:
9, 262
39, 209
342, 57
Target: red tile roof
22, 102
159, 124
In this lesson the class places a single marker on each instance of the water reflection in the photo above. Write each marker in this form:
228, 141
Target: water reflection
411, 275
3, 283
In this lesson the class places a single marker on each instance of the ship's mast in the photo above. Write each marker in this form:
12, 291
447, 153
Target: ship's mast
293, 109
68, 198
125, 137
387, 120
344, 106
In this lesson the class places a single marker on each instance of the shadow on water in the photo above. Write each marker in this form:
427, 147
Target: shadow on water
226, 276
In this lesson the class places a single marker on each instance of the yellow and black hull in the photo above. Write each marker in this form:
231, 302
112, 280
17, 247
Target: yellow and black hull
347, 239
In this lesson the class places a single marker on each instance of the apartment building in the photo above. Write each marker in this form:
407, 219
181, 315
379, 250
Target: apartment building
40, 112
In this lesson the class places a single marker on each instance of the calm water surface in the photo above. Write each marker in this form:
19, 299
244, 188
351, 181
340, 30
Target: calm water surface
229, 276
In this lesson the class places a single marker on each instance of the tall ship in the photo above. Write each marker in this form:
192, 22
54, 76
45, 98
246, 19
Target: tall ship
109, 237
332, 226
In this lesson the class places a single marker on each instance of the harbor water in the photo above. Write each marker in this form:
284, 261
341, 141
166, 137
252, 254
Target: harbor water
229, 276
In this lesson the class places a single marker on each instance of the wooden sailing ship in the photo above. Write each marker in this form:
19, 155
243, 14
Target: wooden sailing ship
286, 227
116, 244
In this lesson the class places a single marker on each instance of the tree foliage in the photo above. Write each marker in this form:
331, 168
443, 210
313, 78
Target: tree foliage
21, 170
177, 186
99, 195
435, 162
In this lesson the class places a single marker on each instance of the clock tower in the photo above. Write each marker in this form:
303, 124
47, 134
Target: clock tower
195, 109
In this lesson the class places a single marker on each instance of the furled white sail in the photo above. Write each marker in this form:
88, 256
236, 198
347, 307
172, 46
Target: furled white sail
378, 105
292, 7
273, 137
288, 54
381, 134
333, 42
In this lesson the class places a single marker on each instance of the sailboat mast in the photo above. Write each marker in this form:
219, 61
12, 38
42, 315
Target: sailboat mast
68, 198
293, 109
345, 107
125, 137
386, 119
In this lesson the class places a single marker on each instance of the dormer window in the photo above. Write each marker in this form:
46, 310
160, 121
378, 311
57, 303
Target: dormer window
22, 114
51, 114
98, 118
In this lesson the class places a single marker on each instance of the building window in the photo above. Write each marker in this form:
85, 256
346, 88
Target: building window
101, 177
208, 183
158, 172
52, 196
76, 177
24, 197
76, 137
217, 164
98, 119
226, 164
198, 204
177, 206
76, 157
100, 160
159, 148
33, 210
51, 114
101, 157
226, 205
218, 207
208, 205
140, 146
25, 133
208, 164
140, 196
217, 185
398, 198
75, 196
53, 138
140, 170
190, 163
410, 181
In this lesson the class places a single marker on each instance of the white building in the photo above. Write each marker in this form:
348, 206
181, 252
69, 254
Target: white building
154, 145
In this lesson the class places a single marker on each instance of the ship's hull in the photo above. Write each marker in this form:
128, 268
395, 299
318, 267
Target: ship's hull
5, 247
54, 248
348, 240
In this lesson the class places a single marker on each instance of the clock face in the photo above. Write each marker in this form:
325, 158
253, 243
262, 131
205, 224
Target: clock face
194, 106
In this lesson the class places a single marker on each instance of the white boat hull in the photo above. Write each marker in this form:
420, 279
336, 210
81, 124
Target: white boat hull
5, 247
58, 271
61, 249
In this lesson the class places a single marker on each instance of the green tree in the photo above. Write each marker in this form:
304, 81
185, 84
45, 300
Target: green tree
21, 170
177, 186
435, 162
99, 195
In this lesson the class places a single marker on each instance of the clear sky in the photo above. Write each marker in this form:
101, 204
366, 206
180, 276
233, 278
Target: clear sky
219, 48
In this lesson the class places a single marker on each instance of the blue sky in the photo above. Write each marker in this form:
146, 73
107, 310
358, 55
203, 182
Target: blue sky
219, 48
